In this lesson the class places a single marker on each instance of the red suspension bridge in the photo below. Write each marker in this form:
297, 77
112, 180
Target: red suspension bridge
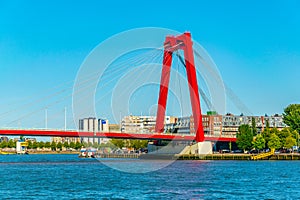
172, 43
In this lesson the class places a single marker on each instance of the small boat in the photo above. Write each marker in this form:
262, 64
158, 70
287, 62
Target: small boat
87, 153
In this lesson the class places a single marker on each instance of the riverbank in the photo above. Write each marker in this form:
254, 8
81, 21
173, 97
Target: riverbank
295, 156
55, 152
40, 152
213, 157
201, 157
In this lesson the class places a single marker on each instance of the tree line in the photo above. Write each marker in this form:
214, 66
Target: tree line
113, 143
136, 144
272, 138
41, 144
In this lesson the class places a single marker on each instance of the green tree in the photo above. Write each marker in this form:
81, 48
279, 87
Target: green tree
296, 135
53, 146
66, 144
274, 130
118, 143
59, 146
291, 116
289, 142
283, 134
72, 145
85, 144
266, 132
267, 124
4, 144
78, 145
274, 142
29, 144
48, 145
41, 144
259, 142
266, 135
253, 126
244, 137
11, 144
138, 144
35, 145
127, 143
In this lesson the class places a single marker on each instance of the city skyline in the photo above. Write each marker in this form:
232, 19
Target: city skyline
255, 47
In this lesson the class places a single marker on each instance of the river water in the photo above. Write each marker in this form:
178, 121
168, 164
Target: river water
70, 177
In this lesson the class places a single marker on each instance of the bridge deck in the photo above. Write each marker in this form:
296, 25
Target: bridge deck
145, 136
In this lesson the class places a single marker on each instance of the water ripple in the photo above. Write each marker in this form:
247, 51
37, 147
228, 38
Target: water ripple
69, 177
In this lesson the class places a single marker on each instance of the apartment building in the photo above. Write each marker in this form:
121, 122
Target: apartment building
142, 124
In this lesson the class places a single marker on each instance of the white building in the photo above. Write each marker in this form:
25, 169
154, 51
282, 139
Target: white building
141, 124
21, 147
94, 125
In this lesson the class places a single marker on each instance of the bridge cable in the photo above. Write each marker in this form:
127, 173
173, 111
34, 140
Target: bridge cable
232, 96
43, 98
180, 92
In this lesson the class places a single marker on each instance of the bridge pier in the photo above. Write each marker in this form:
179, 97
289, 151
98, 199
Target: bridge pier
200, 148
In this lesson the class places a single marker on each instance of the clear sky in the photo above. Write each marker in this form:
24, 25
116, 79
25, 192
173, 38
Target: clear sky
255, 44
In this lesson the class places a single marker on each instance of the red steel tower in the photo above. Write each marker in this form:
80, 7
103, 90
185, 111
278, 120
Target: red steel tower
174, 43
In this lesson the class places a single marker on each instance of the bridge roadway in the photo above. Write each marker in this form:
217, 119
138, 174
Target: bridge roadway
117, 135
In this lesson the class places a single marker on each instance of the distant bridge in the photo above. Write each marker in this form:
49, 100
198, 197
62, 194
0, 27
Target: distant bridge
116, 135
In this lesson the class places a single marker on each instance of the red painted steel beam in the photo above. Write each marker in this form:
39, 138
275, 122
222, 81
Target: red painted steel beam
149, 136
193, 87
163, 92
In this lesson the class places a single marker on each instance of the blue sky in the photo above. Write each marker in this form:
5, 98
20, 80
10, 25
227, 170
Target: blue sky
255, 44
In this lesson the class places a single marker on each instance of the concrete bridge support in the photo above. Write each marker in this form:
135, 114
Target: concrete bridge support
201, 148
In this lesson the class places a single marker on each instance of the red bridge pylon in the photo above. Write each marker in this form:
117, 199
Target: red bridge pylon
174, 43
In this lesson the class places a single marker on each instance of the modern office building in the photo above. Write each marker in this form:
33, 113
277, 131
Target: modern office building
93, 124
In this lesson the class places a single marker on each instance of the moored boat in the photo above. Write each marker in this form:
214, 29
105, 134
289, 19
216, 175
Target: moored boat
87, 153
